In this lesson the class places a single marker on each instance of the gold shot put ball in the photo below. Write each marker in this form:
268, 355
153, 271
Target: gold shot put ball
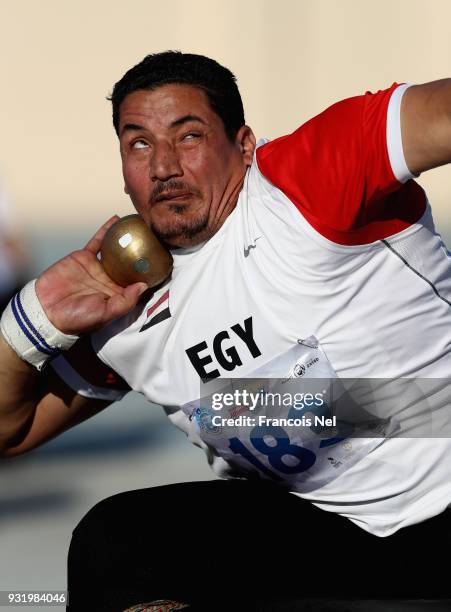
131, 253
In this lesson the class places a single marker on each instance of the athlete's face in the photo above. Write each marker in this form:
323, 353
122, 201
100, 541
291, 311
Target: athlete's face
181, 171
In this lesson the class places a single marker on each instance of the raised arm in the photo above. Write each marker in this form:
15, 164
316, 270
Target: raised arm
426, 125
77, 297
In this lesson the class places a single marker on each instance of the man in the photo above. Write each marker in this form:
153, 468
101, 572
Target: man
319, 243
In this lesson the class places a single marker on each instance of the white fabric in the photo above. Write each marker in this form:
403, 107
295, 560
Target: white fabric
27, 329
394, 137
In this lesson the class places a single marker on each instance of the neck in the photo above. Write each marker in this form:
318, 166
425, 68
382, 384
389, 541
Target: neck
228, 202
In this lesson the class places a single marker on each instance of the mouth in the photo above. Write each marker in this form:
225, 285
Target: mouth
173, 197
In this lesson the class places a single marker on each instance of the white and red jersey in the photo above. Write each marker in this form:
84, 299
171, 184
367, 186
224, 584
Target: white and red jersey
330, 238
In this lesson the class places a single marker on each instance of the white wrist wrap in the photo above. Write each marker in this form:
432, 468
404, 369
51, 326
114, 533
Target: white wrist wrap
29, 332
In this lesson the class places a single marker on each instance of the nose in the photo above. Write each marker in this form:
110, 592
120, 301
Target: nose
164, 163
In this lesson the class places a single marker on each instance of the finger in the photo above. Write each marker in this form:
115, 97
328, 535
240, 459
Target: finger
93, 275
120, 304
94, 244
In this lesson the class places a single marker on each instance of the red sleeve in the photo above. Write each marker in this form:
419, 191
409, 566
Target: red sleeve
336, 170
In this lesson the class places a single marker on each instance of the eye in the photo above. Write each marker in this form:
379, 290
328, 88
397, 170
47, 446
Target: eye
139, 144
191, 136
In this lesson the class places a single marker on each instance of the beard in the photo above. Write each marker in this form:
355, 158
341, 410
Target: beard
180, 229
177, 224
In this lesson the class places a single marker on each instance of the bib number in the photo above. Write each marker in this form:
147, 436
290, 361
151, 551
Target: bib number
274, 443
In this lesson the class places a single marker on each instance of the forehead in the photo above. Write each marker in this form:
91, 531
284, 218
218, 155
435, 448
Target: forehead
164, 105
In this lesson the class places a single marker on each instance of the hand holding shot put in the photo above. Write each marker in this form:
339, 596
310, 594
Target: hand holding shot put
71, 298
78, 295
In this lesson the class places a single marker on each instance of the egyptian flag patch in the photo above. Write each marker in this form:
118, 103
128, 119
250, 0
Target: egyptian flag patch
158, 312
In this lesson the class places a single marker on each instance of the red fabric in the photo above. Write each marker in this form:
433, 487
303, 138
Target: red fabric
336, 170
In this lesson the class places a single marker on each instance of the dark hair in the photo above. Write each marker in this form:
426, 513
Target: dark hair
218, 83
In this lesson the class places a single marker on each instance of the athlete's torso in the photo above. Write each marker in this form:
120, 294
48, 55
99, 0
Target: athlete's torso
325, 241
268, 279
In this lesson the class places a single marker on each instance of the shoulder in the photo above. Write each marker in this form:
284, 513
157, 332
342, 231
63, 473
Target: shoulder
341, 168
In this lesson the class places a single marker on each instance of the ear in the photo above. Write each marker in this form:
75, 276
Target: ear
246, 142
126, 190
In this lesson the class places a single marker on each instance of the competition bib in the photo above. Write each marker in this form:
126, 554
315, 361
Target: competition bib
292, 420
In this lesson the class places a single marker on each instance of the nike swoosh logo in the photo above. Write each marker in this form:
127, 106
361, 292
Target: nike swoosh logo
247, 250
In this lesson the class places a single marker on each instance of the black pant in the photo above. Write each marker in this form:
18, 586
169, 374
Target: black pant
222, 545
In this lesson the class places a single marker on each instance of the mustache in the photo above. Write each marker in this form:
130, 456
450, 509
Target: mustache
172, 186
